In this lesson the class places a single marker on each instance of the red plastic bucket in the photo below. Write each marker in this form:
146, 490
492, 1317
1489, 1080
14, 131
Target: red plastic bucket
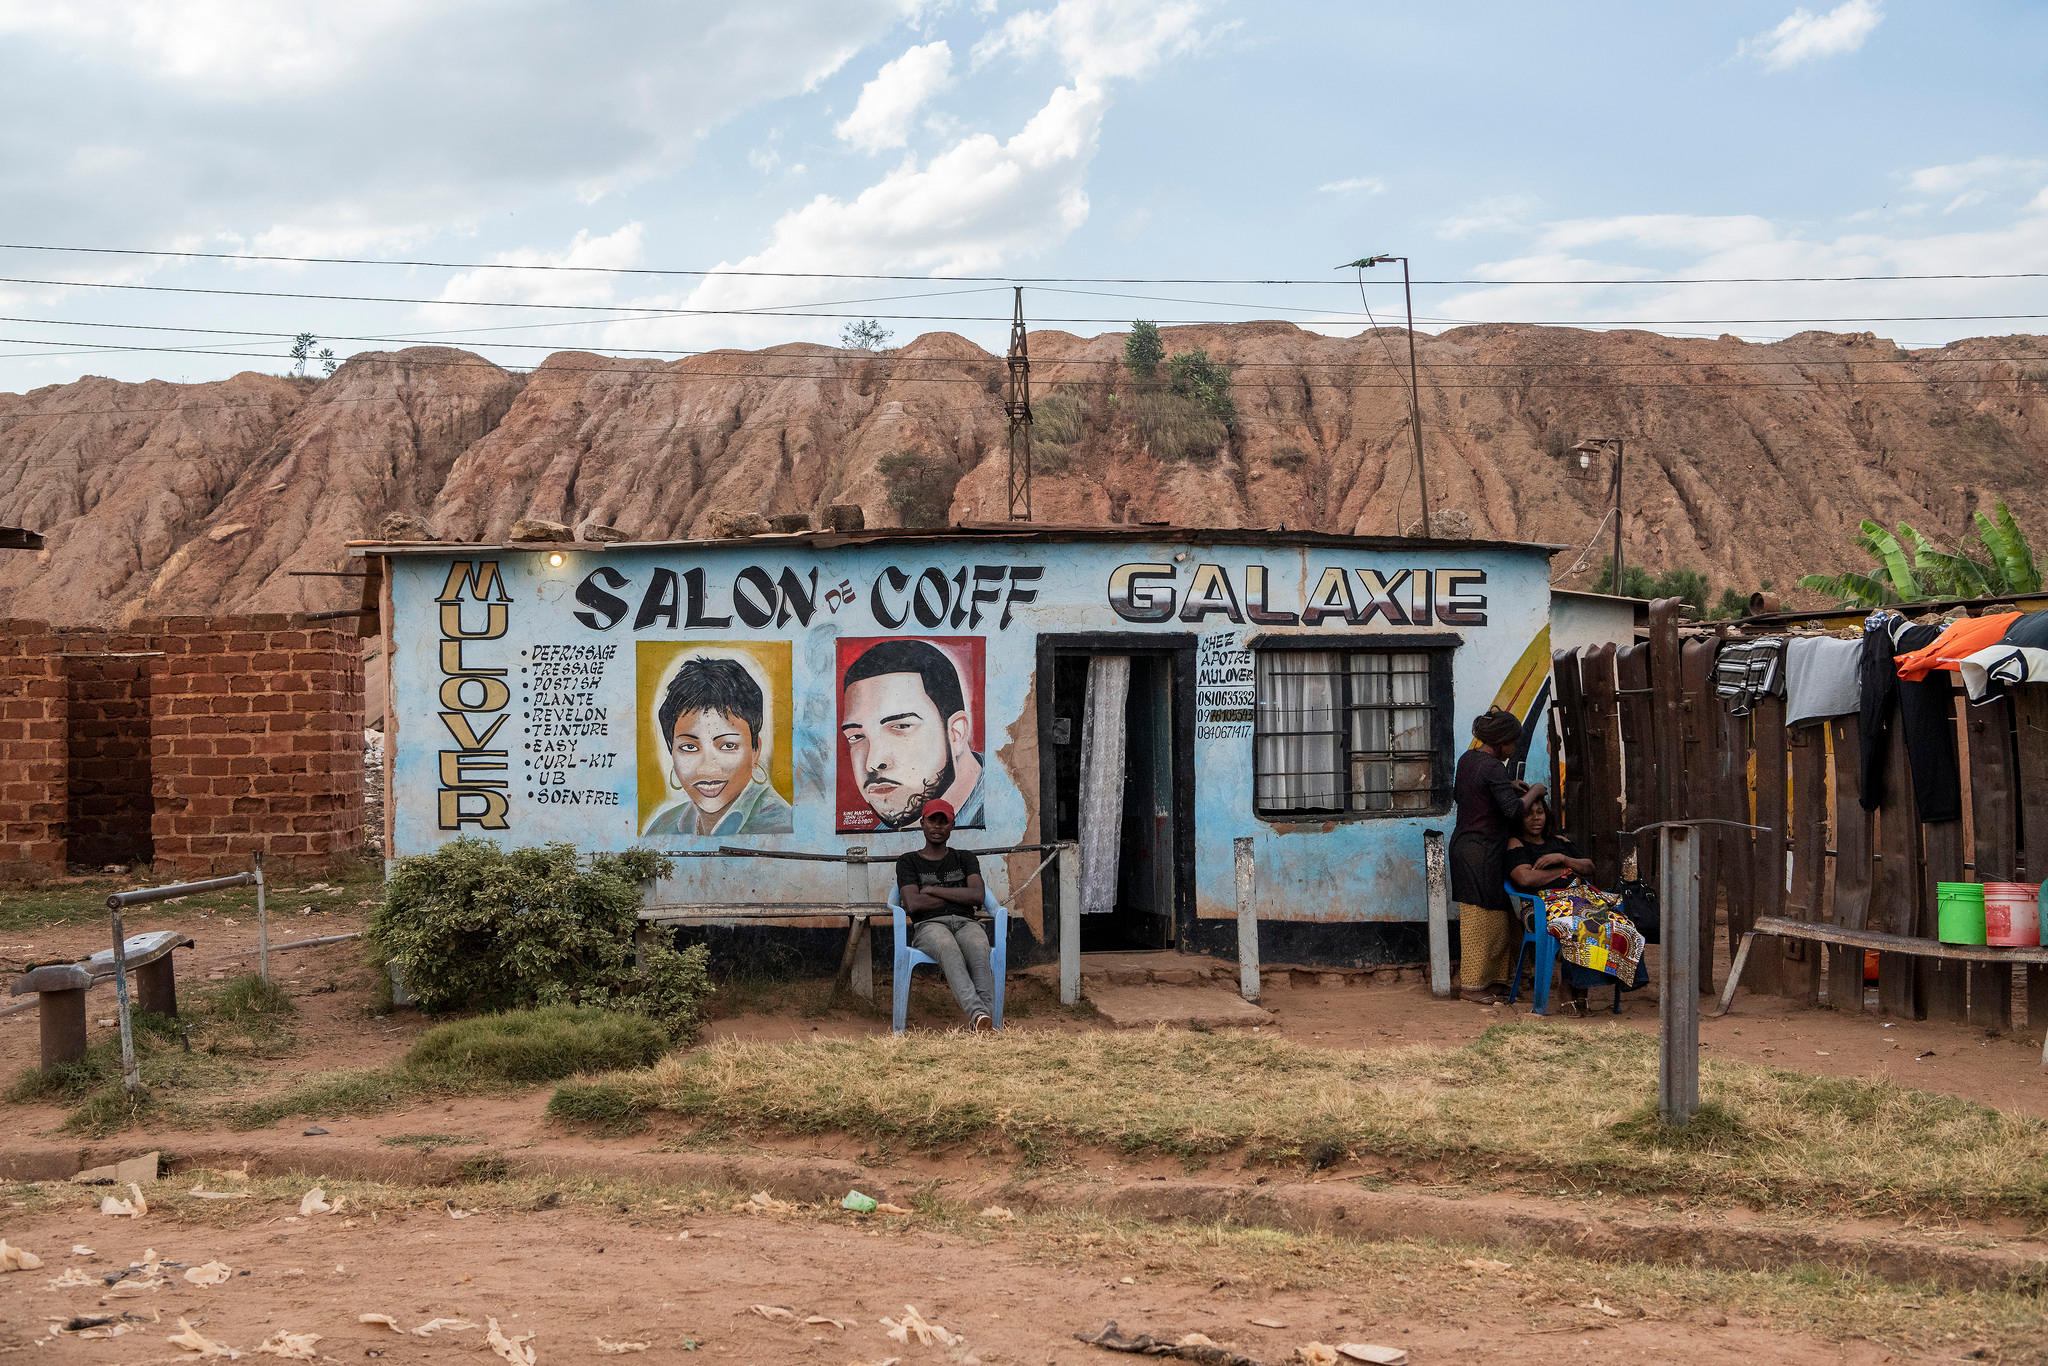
2012, 914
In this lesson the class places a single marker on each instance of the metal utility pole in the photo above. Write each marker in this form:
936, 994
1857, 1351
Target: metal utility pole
1414, 386
1585, 450
1019, 409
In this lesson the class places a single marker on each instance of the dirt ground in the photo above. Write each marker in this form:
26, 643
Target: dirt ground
572, 1275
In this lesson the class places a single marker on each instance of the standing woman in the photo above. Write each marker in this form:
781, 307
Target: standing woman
1490, 804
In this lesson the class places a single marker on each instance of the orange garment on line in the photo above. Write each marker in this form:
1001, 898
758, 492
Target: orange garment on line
1961, 640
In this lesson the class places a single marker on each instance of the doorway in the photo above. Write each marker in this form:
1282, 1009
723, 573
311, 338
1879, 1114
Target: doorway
1141, 905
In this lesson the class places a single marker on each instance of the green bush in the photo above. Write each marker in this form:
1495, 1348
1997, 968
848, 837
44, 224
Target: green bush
1178, 428
1192, 375
538, 1045
474, 927
1143, 350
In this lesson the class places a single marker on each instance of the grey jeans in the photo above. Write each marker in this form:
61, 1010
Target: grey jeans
959, 945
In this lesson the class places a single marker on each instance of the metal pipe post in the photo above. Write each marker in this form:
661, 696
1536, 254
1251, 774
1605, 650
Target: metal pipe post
859, 889
1070, 924
1618, 589
1678, 978
1437, 890
131, 1074
262, 923
1247, 921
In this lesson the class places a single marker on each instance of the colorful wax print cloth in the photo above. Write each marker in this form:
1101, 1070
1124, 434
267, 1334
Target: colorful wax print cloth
1591, 931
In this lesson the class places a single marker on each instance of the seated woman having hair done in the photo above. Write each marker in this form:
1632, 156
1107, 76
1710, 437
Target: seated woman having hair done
1599, 944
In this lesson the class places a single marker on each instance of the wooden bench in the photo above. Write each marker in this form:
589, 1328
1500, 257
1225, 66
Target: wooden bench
856, 961
60, 989
1883, 943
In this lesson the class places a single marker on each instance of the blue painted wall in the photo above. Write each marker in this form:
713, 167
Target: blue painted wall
570, 712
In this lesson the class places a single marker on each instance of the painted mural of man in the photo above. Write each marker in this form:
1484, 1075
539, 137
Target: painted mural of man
908, 733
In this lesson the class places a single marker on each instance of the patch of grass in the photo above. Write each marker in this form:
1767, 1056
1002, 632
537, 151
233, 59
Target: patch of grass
487, 1053
172, 1069
1178, 428
609, 1104
250, 997
521, 1047
1533, 1105
1058, 422
431, 1140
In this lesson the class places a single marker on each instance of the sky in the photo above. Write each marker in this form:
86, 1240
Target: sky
1513, 150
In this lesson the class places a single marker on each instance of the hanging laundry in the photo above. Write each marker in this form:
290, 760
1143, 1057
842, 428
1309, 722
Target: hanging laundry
1923, 710
1962, 639
1820, 678
2021, 657
1748, 670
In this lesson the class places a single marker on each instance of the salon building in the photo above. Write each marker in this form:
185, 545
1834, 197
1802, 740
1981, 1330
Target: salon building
1154, 694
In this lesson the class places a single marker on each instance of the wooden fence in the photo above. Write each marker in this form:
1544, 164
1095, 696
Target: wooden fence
1639, 736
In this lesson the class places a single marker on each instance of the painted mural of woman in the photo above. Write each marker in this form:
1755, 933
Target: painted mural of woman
713, 727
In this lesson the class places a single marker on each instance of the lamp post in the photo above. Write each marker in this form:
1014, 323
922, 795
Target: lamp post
1414, 390
1585, 451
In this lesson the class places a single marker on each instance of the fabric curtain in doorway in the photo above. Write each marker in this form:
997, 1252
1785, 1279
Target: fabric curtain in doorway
1102, 780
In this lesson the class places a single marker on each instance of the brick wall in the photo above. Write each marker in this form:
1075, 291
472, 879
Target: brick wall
32, 751
256, 734
109, 803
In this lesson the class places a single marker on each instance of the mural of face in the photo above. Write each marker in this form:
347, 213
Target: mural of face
712, 757
902, 746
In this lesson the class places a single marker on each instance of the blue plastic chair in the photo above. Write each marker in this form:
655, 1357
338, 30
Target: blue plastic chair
908, 958
1536, 935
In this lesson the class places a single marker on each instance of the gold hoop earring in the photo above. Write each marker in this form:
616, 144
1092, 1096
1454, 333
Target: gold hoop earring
761, 773
668, 775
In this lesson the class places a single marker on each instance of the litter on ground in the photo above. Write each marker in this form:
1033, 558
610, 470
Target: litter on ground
619, 1348
384, 1319
1366, 1351
290, 1346
433, 1326
915, 1325
213, 1273
17, 1259
519, 1351
131, 1209
998, 1214
191, 1340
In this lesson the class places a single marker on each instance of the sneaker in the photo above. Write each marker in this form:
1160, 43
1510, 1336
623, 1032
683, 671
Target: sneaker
983, 1024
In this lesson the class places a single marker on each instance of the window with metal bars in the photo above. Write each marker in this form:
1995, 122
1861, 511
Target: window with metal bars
1352, 733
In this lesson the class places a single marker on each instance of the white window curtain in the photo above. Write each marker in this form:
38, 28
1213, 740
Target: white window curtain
1390, 732
1102, 780
1298, 755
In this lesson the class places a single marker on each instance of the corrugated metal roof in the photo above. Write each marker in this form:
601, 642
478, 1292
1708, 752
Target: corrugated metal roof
1023, 533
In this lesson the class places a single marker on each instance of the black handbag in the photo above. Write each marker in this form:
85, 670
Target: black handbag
1639, 904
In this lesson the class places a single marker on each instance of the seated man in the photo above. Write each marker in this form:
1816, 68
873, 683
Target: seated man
941, 891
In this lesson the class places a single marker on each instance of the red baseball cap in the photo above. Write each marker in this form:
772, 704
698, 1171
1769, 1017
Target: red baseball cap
938, 806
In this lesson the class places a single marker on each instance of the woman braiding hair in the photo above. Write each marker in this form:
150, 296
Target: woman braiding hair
1490, 804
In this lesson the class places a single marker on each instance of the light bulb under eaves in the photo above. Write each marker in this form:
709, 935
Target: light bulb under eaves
554, 559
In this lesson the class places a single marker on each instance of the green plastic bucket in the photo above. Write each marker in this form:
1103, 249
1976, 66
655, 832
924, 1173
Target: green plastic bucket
1961, 905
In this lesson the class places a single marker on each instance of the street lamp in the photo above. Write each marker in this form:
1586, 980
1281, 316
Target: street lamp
1414, 392
1586, 450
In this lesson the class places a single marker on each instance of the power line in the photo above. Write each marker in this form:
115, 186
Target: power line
1342, 319
723, 271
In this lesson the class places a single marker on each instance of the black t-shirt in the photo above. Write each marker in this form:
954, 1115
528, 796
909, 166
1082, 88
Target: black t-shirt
915, 870
1527, 854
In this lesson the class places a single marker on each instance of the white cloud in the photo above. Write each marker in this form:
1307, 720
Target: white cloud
889, 102
1100, 40
369, 126
1738, 246
1804, 36
975, 206
1363, 184
1964, 175
1498, 214
615, 250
